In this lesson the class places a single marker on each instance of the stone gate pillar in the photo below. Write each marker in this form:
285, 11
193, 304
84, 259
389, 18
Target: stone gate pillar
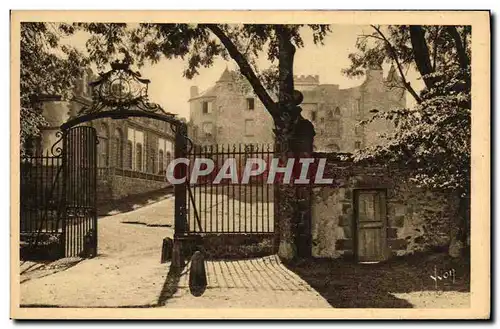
302, 145
180, 190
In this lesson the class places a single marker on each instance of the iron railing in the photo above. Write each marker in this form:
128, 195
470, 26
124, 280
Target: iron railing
230, 207
40, 194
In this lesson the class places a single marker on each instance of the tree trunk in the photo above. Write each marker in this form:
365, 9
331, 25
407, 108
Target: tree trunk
421, 54
459, 227
285, 122
293, 215
294, 135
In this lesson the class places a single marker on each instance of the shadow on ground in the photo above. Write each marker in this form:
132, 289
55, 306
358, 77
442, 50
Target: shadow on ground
171, 284
346, 284
133, 202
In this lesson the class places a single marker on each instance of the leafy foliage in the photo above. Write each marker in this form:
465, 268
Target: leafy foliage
200, 44
195, 43
433, 138
47, 68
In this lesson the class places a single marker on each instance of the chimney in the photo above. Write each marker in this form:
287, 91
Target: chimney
193, 91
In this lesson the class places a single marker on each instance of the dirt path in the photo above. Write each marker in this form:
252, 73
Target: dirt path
127, 272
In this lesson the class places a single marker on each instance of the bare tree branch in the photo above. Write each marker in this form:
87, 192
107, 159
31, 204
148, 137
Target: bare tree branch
371, 36
395, 58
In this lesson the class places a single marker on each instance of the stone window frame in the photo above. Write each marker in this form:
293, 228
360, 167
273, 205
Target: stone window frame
334, 147
336, 123
206, 107
250, 103
161, 161
118, 138
358, 108
130, 154
204, 130
138, 157
357, 145
151, 162
314, 116
249, 130
168, 158
358, 130
103, 146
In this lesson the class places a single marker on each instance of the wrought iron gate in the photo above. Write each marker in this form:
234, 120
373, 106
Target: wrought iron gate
40, 206
80, 191
58, 191
229, 207
58, 216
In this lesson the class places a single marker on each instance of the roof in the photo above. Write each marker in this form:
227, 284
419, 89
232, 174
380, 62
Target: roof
226, 76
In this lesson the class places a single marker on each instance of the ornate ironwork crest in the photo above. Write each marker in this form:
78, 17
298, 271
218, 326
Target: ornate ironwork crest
121, 89
120, 93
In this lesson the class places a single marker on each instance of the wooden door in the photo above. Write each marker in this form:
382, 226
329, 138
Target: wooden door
370, 213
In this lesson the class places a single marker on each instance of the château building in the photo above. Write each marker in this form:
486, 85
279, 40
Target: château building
225, 114
132, 153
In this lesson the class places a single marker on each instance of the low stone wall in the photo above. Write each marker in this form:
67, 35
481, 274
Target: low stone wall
230, 246
124, 186
115, 187
416, 219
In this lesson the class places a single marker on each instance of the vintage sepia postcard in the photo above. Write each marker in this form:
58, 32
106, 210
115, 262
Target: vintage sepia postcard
250, 165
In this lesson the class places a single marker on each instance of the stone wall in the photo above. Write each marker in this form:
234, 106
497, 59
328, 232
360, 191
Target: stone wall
117, 187
416, 219
230, 246
231, 120
334, 112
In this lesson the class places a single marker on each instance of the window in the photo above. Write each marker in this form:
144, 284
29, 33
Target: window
358, 130
130, 152
330, 115
168, 159
249, 127
337, 111
207, 129
333, 148
357, 145
118, 148
138, 157
160, 162
250, 104
359, 110
335, 127
313, 116
151, 161
103, 146
207, 107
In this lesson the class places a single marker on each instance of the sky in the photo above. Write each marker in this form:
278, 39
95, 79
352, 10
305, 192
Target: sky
171, 90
